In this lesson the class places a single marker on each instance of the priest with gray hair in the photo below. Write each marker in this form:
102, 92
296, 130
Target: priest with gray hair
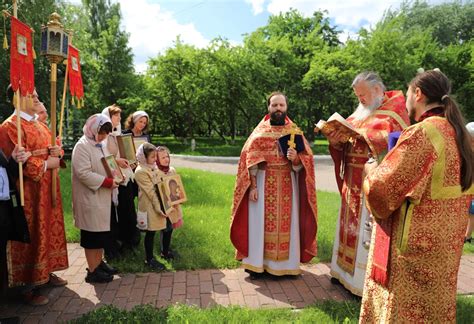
378, 113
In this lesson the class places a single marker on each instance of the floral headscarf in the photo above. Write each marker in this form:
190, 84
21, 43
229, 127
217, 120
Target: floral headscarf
141, 158
92, 127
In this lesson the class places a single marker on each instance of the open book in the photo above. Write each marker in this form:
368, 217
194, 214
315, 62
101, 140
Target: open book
337, 122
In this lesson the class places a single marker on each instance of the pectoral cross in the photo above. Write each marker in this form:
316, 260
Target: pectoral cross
291, 142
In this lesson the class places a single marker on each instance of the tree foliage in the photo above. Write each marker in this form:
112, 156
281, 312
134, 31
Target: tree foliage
220, 90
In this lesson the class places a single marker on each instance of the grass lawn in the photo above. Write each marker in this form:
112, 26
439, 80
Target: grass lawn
218, 147
203, 242
325, 312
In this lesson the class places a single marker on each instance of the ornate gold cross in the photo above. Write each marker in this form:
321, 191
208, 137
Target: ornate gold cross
293, 132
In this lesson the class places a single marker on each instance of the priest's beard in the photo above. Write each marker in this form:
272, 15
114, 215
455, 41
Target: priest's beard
277, 118
362, 112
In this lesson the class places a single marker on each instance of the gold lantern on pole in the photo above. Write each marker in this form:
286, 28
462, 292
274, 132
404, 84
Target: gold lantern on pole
54, 45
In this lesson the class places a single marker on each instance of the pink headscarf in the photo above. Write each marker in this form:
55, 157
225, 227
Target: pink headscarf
92, 127
141, 158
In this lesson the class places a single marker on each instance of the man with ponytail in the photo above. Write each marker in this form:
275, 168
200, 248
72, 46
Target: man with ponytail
418, 196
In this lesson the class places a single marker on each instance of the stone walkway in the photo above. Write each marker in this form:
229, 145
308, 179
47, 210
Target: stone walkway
203, 288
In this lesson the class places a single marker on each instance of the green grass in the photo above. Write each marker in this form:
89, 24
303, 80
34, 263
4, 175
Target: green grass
326, 312
203, 242
323, 312
219, 147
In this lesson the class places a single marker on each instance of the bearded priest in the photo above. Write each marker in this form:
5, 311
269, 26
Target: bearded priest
274, 209
379, 113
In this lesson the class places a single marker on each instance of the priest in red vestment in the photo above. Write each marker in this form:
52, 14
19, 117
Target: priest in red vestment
379, 113
33, 264
274, 209
419, 198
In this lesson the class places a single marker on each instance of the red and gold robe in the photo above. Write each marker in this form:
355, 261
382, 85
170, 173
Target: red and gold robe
32, 263
349, 164
262, 147
417, 188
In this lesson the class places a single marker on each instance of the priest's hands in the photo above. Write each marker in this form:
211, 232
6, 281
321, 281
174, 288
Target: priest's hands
20, 155
292, 155
52, 162
335, 138
55, 151
253, 194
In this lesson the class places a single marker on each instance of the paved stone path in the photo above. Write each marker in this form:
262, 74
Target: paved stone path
203, 288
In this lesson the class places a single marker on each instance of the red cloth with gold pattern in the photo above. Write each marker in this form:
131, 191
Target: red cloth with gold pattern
417, 185
262, 146
75, 77
22, 74
349, 164
32, 263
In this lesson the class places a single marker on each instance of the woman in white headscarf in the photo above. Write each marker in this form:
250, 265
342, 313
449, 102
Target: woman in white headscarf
137, 123
92, 195
124, 225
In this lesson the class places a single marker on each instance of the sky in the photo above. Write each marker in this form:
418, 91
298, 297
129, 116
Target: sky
153, 25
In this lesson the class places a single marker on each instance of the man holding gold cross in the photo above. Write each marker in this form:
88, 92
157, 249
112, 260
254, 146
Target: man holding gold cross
274, 209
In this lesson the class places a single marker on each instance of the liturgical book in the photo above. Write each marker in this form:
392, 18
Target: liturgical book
337, 122
283, 143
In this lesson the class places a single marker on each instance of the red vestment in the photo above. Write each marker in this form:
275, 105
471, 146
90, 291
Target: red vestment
32, 263
262, 147
417, 187
349, 166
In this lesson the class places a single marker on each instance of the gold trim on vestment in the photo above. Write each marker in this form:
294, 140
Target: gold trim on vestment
348, 286
271, 271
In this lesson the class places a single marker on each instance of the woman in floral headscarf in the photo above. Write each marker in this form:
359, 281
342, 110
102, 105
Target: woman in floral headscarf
92, 195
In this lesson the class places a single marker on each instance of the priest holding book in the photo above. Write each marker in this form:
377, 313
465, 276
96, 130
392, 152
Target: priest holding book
274, 210
379, 113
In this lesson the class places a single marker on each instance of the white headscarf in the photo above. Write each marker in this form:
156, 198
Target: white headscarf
139, 114
116, 131
141, 158
470, 128
92, 127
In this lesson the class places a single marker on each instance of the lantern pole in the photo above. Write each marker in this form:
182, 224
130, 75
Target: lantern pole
61, 118
54, 55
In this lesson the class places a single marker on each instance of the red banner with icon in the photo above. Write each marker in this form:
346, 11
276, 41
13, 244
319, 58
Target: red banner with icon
22, 73
75, 77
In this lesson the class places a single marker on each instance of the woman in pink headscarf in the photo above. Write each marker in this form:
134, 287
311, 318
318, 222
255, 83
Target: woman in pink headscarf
92, 195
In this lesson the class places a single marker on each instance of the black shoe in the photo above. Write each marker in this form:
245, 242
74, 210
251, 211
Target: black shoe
168, 256
255, 275
335, 281
107, 268
155, 265
10, 320
98, 276
467, 240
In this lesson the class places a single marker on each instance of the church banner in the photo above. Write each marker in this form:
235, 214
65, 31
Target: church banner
22, 74
75, 77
